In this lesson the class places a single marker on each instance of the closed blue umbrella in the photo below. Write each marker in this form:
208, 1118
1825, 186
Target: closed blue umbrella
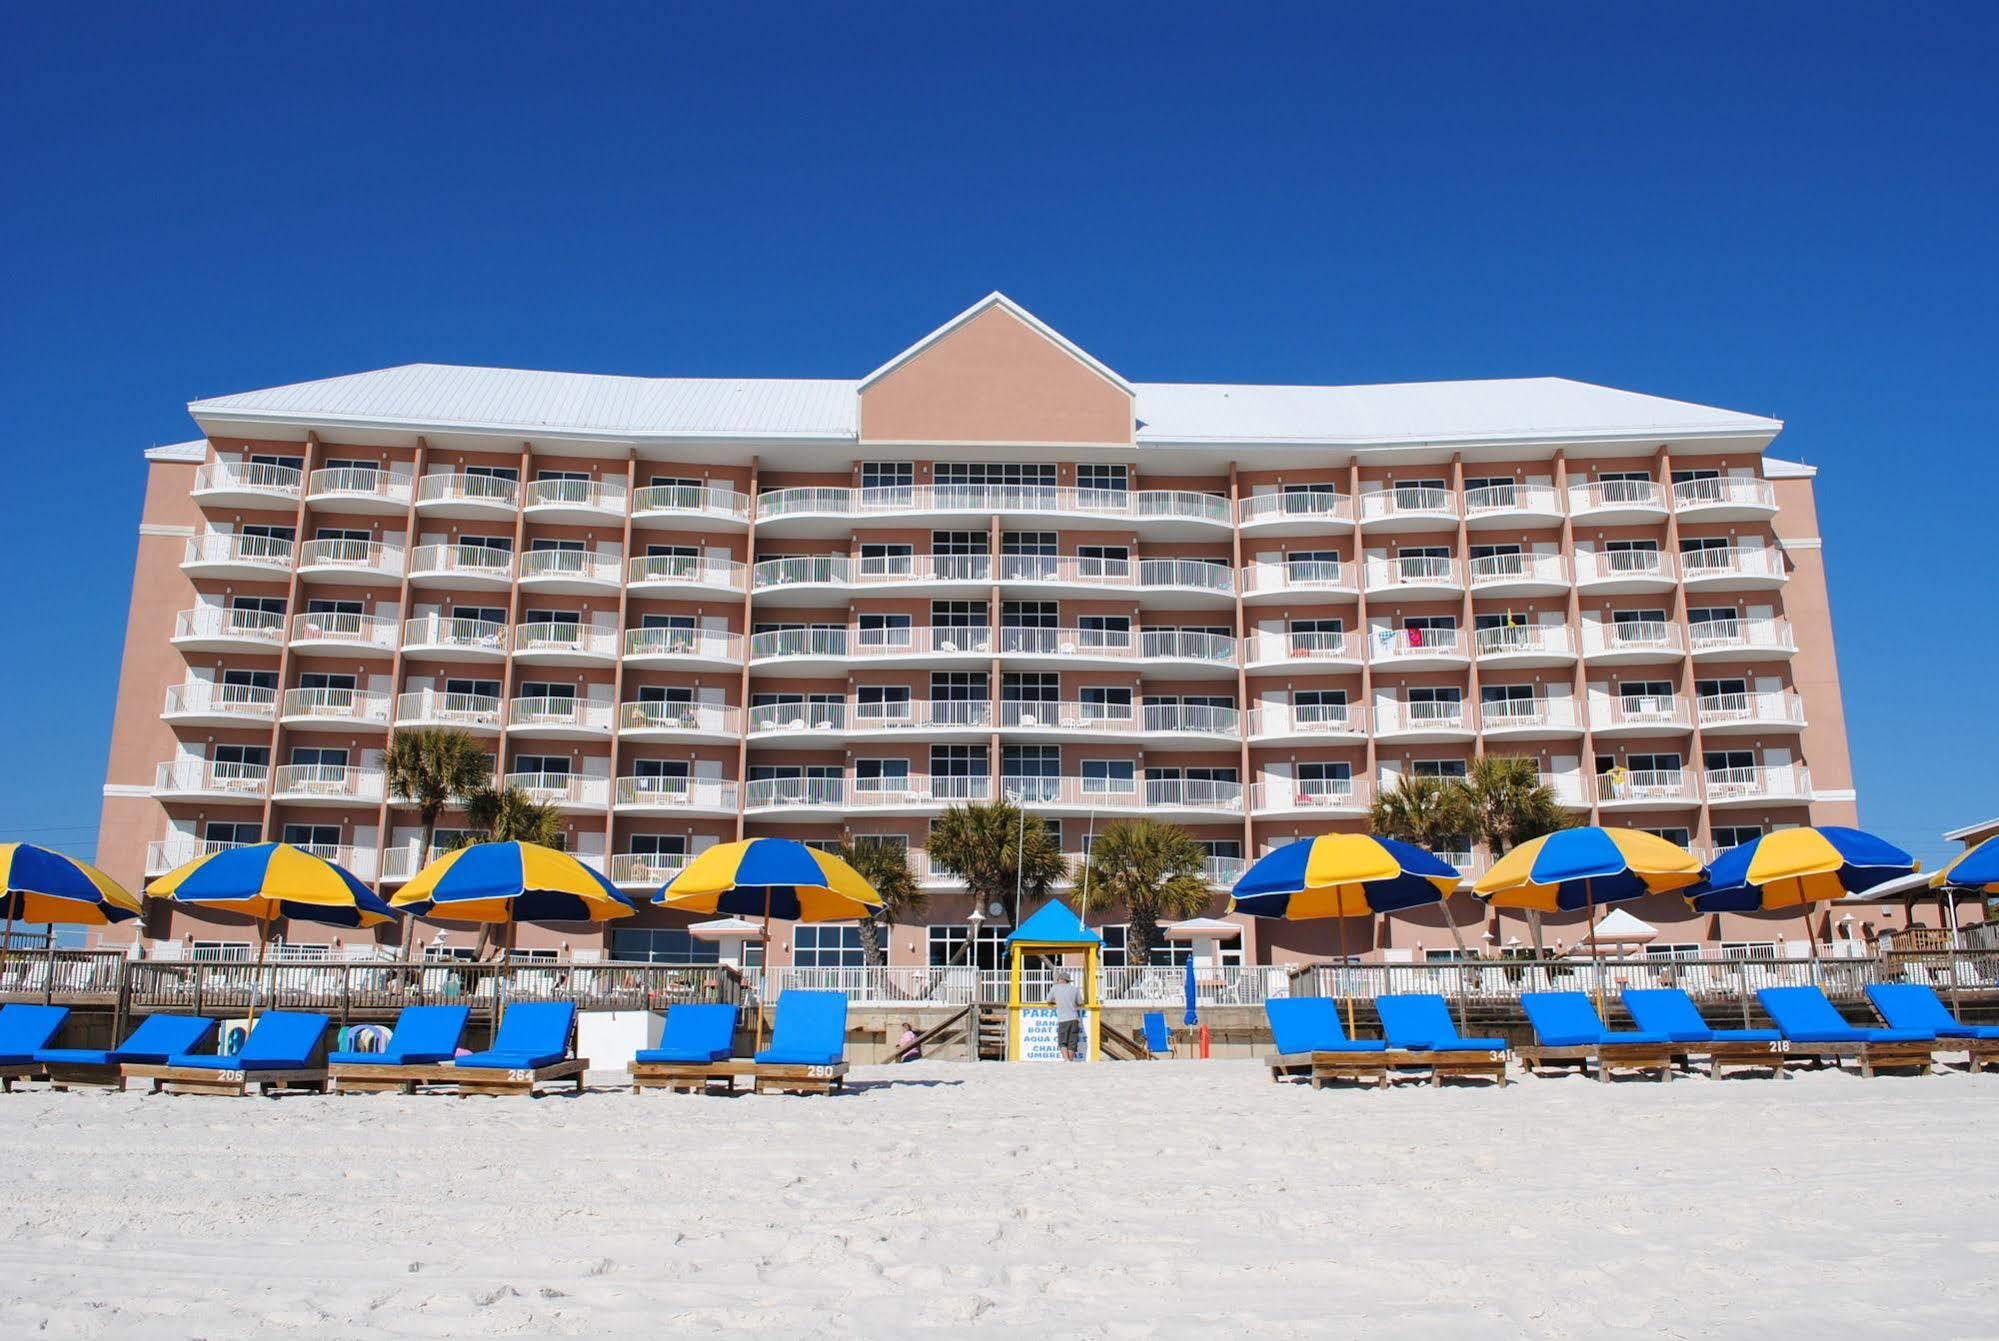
1193, 1013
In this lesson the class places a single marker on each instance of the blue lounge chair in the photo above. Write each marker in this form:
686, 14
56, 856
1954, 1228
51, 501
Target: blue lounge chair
1421, 1022
285, 1049
1670, 1011
24, 1031
1310, 1042
1158, 1040
425, 1037
1813, 1027
157, 1039
532, 1045
697, 1046
808, 1044
1568, 1029
1917, 1006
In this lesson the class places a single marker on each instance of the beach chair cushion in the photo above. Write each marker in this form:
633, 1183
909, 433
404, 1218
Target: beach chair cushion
1807, 1016
283, 1040
811, 1030
1156, 1038
1568, 1020
1917, 1006
1421, 1022
26, 1030
157, 1038
1312, 1024
424, 1035
531, 1034
1670, 1011
695, 1034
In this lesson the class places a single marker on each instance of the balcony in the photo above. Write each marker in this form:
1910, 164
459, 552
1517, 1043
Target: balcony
226, 555
450, 638
920, 574
1632, 642
1304, 722
1628, 789
467, 497
815, 798
1544, 717
673, 505
206, 703
216, 628
1327, 796
1223, 872
351, 562
1570, 793
1418, 649
916, 793
1415, 577
646, 870
207, 780
1624, 570
576, 502
1150, 579
564, 643
697, 648
477, 713
828, 511
1760, 785
1525, 645
686, 575
246, 484
1737, 568
570, 572
163, 855
1778, 710
343, 709
1742, 639
1513, 505
1305, 512
334, 633
1395, 720
802, 579
1617, 502
1311, 651
326, 784
1159, 724
479, 567
1727, 498
680, 796
1323, 578
1519, 575
649, 719
558, 718
1639, 715
1157, 796
1196, 652
565, 791
1408, 508
384, 492
808, 651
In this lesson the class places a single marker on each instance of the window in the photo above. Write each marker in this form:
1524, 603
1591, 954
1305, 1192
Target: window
1031, 772
311, 835
257, 682
958, 686
827, 945
479, 614
271, 459
1325, 779
880, 630
545, 545
1437, 768
1731, 761
1109, 776
1661, 764
880, 559
235, 758
1672, 834
1503, 701
231, 831
1625, 476
1749, 949
494, 472
1417, 493
1322, 707
958, 761
988, 472
663, 945
1725, 688
958, 614
1689, 476
1105, 702
888, 474
546, 765
318, 756
1102, 560
1105, 479
947, 945
1029, 614
1733, 835
881, 775
470, 688
546, 689
1699, 543
1028, 542
264, 605
495, 544
1165, 954
1030, 687
1712, 614
882, 702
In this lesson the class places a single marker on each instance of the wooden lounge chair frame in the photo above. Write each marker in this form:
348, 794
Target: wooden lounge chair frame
1772, 1055
798, 1078
689, 1076
10, 1074
202, 1080
1979, 1052
1920, 1054
496, 1080
385, 1077
1322, 1068
1606, 1057
77, 1075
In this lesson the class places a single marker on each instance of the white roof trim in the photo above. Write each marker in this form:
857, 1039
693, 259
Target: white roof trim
195, 451
1961, 835
1775, 469
1000, 300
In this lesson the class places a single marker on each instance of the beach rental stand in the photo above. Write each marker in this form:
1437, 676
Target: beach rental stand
1030, 1023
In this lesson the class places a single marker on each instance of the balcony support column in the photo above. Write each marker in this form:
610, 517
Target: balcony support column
994, 539
502, 750
382, 830
743, 681
292, 589
1371, 768
1696, 766
618, 650
1586, 765
1243, 706
1474, 714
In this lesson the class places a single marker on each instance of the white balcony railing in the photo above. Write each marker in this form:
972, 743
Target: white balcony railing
564, 636
560, 789
255, 551
1401, 501
575, 564
1638, 712
1414, 570
1493, 500
802, 570
934, 714
1634, 636
1329, 507
450, 631
480, 561
1735, 561
434, 707
349, 630
1308, 719
1524, 640
1395, 716
1123, 793
1758, 783
1615, 495
646, 868
1187, 574
1122, 718
768, 793
917, 789
1742, 635
1624, 786
1304, 646
1304, 575
709, 500
247, 477
358, 706
369, 558
207, 698
220, 622
897, 642
579, 713
1500, 570
879, 569
686, 570
488, 490
1051, 500
606, 496
1551, 712
811, 642
657, 793
341, 782
1282, 794
708, 719
706, 644
1623, 565
165, 854
354, 483
1775, 707
1390, 645
1724, 491
212, 778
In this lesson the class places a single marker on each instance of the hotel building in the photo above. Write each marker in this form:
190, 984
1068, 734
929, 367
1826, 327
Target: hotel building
687, 610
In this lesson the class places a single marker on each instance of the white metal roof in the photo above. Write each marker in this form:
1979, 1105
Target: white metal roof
1621, 927
196, 451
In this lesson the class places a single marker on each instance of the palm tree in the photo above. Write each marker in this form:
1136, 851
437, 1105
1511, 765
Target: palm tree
430, 768
885, 865
510, 815
1154, 871
1502, 802
1416, 810
996, 851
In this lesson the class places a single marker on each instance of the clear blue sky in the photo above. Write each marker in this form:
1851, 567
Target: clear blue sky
1788, 211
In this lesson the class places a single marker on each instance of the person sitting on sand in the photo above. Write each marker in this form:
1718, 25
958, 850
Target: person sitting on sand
906, 1047
1068, 1016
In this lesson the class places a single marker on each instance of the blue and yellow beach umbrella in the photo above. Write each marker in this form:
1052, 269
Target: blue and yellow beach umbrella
512, 882
1792, 868
1974, 871
37, 885
1575, 869
1342, 875
771, 877
267, 881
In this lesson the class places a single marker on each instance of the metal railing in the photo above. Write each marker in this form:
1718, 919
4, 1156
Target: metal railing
686, 570
565, 636
1608, 712
1524, 640
694, 718
449, 487
581, 713
764, 793
1724, 490
434, 707
708, 500
1406, 501
260, 551
463, 561
359, 706
205, 777
388, 484
1645, 786
1385, 645
1740, 635
578, 564
1414, 570
1342, 794
1781, 707
1496, 570
561, 788
1604, 495
646, 869
370, 557
1619, 565
216, 621
604, 495
1492, 499
1758, 782
1308, 719
333, 782
666, 793
1319, 505
376, 631
702, 643
252, 476
1640, 635
212, 699
432, 631
1721, 563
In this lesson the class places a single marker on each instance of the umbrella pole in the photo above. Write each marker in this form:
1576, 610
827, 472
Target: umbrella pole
1589, 913
764, 978
7, 938
263, 953
1346, 985
1811, 938
1464, 969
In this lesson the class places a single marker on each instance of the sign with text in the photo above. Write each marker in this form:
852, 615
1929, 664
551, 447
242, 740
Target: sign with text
1037, 1035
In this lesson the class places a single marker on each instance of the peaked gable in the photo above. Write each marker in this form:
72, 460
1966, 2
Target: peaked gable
995, 373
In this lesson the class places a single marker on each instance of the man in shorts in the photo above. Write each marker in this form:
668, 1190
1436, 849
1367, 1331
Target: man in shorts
1068, 1001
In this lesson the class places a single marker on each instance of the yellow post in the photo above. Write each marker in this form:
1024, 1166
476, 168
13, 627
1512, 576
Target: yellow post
1092, 1003
1013, 1003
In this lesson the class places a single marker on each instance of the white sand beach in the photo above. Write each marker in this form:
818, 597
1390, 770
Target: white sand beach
1113, 1201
